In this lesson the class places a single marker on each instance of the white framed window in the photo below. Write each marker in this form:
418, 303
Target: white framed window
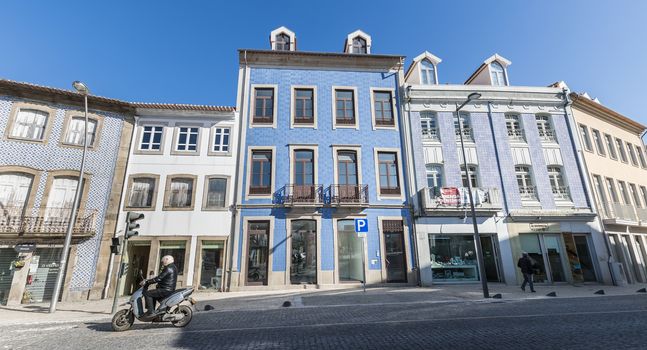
464, 122
599, 186
30, 124
611, 146
635, 195
282, 42
435, 175
586, 138
142, 192
61, 197
611, 187
599, 143
545, 128
14, 190
74, 135
498, 74
427, 72
429, 126
471, 177
180, 192
513, 126
621, 150
151, 139
557, 184
216, 193
641, 158
221, 138
359, 45
632, 154
624, 194
643, 193
187, 139
524, 180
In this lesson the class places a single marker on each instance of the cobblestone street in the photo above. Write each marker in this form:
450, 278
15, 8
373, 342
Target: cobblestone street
612, 322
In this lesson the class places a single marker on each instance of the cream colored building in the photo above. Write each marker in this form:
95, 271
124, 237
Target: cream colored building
617, 168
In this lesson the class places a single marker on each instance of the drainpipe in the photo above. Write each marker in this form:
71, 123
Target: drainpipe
234, 209
413, 185
586, 181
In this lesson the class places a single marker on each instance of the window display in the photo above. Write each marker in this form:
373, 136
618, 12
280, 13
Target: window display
453, 258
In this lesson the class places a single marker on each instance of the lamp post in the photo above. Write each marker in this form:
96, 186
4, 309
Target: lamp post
82, 89
477, 238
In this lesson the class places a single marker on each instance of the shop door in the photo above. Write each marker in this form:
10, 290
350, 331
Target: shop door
579, 258
138, 263
7, 255
642, 254
530, 243
211, 268
257, 253
554, 257
303, 258
632, 258
396, 266
42, 281
490, 259
619, 253
349, 252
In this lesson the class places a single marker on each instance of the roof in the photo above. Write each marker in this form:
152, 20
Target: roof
425, 55
325, 59
586, 104
56, 95
496, 57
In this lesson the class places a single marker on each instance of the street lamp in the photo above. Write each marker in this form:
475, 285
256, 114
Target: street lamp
82, 89
477, 238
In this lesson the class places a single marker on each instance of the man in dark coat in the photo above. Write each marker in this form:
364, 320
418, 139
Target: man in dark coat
526, 264
166, 282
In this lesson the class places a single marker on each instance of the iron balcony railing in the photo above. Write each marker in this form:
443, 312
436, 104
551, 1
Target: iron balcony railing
350, 195
623, 211
528, 193
516, 135
561, 193
303, 194
430, 134
458, 197
467, 134
547, 135
52, 221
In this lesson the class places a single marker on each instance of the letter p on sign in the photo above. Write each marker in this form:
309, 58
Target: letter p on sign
361, 225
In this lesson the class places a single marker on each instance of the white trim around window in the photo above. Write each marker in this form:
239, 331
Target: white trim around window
225, 131
334, 108
140, 137
394, 113
293, 89
252, 105
176, 139
398, 158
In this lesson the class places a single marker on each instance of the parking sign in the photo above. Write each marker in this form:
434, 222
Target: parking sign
361, 225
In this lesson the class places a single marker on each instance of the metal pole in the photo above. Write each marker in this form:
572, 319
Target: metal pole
364, 257
70, 225
120, 273
477, 237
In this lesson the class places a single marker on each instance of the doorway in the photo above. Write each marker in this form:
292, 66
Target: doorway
211, 265
349, 252
490, 259
258, 237
579, 258
7, 255
548, 255
138, 256
42, 280
394, 253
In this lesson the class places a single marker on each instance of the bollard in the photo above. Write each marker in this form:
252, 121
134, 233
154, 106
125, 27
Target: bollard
600, 292
551, 294
208, 308
497, 296
287, 303
642, 290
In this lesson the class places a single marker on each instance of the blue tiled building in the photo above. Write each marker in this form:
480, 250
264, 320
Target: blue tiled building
321, 145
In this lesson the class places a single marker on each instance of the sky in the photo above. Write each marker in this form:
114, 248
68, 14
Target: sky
186, 51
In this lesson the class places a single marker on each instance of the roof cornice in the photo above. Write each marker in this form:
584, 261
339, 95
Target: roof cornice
319, 59
598, 110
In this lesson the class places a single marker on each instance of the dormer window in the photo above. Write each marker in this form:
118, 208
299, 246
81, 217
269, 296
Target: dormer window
359, 45
427, 73
282, 42
498, 74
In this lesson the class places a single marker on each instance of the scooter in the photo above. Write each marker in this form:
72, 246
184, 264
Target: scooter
172, 309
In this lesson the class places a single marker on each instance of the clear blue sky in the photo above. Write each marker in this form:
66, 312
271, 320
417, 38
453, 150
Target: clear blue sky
185, 51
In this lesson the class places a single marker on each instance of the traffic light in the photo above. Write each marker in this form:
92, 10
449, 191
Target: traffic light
131, 223
115, 248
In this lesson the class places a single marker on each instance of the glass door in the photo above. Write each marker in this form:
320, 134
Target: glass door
211, 266
642, 253
303, 266
619, 253
349, 252
530, 244
257, 252
489, 258
579, 258
395, 259
554, 257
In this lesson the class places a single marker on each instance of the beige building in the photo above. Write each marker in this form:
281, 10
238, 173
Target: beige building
615, 157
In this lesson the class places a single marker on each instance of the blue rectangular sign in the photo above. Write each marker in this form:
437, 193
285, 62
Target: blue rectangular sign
361, 225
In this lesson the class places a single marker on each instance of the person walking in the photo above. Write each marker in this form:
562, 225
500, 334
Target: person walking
527, 265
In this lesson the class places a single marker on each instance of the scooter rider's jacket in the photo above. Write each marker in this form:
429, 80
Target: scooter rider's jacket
167, 279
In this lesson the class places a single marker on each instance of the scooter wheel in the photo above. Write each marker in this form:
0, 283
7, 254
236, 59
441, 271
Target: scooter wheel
122, 320
188, 315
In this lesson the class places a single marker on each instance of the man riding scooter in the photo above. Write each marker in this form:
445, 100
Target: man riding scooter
166, 281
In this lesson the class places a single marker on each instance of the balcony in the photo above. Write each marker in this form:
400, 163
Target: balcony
430, 134
561, 194
623, 212
528, 193
516, 135
440, 200
18, 223
547, 136
349, 195
303, 195
467, 134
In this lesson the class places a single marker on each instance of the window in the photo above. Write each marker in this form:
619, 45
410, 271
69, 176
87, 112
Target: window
303, 106
612, 190
221, 140
586, 139
14, 191
599, 144
497, 74
622, 188
177, 250
632, 154
30, 124
643, 193
263, 106
345, 107
383, 108
388, 170
621, 150
515, 132
546, 133
453, 258
524, 180
471, 177
261, 172
187, 139
151, 138
61, 197
560, 191
74, 135
304, 167
599, 186
463, 124
359, 45
283, 42
180, 193
611, 146
427, 73
641, 156
216, 193
347, 168
429, 126
142, 192
434, 175
634, 194
303, 260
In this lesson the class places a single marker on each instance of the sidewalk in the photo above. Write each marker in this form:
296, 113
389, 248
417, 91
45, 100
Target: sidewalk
99, 310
